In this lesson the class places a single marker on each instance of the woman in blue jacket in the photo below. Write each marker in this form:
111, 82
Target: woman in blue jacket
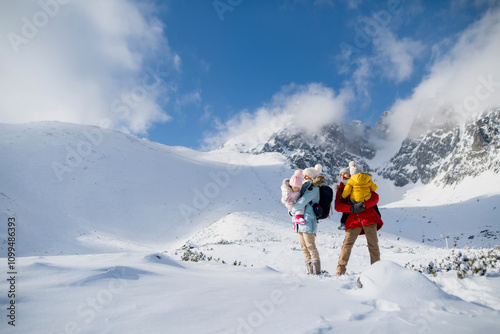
307, 231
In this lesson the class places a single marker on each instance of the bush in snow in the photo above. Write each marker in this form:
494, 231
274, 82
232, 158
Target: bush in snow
474, 263
195, 256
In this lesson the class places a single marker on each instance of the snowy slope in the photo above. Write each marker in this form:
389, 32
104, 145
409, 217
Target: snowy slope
102, 190
99, 250
133, 292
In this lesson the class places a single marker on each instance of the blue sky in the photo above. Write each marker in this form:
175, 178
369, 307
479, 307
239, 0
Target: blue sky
195, 73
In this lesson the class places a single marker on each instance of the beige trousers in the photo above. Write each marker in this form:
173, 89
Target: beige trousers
350, 237
308, 245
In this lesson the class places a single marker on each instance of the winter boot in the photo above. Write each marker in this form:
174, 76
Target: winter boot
342, 226
340, 270
309, 267
316, 267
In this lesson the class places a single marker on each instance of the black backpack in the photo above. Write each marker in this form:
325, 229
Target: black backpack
322, 209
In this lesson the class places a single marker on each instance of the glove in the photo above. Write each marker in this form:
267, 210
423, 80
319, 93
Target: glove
357, 207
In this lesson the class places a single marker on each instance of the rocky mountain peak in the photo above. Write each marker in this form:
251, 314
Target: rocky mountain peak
334, 146
444, 155
447, 156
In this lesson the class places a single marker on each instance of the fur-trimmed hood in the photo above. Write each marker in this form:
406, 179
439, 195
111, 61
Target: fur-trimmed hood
285, 185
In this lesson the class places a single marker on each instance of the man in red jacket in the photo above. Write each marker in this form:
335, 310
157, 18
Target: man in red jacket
363, 219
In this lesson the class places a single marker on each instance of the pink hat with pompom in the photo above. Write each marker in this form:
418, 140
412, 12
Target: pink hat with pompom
296, 180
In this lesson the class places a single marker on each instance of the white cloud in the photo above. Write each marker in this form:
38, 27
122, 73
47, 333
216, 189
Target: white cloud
396, 57
189, 98
461, 83
207, 113
177, 62
392, 59
353, 4
306, 107
361, 80
83, 62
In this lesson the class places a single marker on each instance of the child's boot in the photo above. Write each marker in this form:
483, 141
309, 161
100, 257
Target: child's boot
300, 219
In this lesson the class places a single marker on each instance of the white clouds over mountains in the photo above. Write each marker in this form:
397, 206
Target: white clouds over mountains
109, 63
305, 107
456, 84
90, 62
396, 57
460, 84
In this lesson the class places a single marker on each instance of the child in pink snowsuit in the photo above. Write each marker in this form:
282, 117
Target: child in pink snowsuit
290, 193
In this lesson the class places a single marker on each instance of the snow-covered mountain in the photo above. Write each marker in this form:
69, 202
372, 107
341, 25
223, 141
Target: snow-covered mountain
102, 190
104, 222
333, 147
446, 156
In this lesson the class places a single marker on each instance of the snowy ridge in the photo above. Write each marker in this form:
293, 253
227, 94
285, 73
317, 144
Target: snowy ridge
101, 189
333, 147
447, 156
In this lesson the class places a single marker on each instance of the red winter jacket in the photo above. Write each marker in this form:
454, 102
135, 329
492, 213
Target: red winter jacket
355, 220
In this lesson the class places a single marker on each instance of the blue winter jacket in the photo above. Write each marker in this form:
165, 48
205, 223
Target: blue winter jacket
310, 194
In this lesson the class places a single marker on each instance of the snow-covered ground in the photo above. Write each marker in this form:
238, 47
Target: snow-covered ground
103, 221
